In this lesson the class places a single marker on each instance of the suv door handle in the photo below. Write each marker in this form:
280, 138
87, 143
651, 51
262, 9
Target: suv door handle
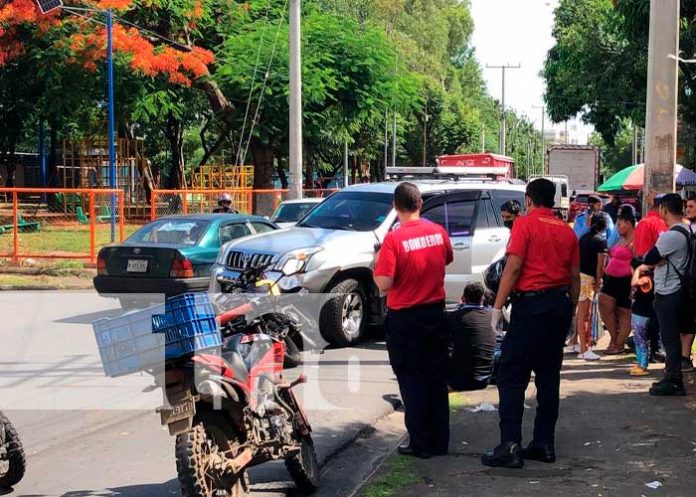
461, 246
494, 238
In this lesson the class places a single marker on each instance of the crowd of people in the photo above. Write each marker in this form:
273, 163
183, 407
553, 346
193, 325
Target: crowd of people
633, 277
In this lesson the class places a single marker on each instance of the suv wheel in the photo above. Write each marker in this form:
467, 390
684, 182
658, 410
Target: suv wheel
342, 319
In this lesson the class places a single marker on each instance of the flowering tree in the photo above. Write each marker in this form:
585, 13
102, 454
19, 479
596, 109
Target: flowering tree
53, 63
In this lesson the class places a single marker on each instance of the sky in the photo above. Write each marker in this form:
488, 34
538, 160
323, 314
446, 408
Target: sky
518, 32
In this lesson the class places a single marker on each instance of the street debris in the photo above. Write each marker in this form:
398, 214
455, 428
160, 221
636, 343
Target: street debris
484, 407
654, 485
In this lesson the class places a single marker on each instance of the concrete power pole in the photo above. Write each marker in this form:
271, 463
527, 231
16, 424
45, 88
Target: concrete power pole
635, 145
393, 158
661, 112
295, 100
502, 104
543, 140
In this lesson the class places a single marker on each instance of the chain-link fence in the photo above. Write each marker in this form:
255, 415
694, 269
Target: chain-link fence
60, 223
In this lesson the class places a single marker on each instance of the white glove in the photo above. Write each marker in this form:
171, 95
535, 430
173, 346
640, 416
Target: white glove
497, 320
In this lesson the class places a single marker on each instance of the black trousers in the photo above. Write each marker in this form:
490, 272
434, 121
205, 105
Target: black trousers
671, 313
538, 327
417, 341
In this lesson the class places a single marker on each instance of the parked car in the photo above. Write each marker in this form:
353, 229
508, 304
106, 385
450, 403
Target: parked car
334, 245
172, 255
290, 212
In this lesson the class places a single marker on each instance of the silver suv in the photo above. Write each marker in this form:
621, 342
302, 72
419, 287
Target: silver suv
334, 245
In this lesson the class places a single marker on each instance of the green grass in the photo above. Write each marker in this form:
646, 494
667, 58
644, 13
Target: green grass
396, 475
458, 401
73, 240
21, 281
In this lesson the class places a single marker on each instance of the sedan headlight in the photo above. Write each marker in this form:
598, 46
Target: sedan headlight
299, 256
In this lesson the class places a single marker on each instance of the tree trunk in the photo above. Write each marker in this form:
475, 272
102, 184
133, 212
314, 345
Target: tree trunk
174, 132
309, 175
281, 173
264, 203
219, 104
11, 169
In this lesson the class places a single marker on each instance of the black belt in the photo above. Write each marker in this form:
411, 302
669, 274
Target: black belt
539, 293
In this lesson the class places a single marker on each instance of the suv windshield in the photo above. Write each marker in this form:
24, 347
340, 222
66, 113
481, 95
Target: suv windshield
290, 213
353, 211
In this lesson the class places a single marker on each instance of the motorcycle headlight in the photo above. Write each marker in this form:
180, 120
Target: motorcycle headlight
299, 256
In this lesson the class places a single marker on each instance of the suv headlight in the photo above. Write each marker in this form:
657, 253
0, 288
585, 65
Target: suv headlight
302, 257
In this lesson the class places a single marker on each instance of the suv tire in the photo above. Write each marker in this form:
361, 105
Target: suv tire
342, 318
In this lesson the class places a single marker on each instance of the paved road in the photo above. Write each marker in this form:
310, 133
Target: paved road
90, 435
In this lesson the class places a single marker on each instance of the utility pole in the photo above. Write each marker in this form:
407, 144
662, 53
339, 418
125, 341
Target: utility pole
502, 103
635, 144
543, 140
393, 161
386, 140
295, 100
425, 135
567, 138
661, 108
345, 164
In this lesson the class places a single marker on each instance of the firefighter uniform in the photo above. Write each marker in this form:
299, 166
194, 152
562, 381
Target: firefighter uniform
542, 312
415, 256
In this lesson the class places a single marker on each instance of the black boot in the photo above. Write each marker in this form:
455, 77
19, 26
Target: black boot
668, 388
507, 455
408, 450
537, 452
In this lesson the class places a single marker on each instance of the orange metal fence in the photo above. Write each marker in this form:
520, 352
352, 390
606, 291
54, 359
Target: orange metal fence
59, 223
247, 201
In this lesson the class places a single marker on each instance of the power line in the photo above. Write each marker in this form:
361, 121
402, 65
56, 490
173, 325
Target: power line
502, 107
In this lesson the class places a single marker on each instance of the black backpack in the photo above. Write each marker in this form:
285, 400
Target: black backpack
688, 278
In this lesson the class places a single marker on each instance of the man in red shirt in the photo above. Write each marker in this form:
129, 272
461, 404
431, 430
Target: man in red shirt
410, 267
649, 228
542, 276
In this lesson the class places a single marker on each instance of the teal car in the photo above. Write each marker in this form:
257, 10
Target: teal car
172, 255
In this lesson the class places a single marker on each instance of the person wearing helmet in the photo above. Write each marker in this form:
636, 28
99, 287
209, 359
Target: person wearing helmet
225, 204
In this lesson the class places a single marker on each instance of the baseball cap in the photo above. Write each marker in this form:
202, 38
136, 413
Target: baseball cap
594, 199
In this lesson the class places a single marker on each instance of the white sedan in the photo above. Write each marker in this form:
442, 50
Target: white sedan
291, 211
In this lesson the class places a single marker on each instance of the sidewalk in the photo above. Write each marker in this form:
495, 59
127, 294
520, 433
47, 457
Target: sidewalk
612, 439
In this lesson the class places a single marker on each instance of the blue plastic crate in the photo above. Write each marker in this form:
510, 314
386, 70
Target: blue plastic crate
126, 343
144, 339
189, 306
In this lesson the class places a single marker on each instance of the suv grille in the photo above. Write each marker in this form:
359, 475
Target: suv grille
242, 260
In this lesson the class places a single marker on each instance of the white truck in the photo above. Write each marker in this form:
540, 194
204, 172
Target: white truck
580, 163
562, 199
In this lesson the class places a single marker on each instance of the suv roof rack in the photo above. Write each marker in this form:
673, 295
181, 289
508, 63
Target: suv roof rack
452, 173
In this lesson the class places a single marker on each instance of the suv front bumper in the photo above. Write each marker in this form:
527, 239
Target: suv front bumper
312, 281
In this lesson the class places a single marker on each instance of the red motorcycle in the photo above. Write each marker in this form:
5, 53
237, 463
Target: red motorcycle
234, 410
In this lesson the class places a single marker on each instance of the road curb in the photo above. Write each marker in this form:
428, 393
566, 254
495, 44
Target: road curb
40, 288
358, 463
364, 430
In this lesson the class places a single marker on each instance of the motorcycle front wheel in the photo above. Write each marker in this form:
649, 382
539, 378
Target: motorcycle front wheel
196, 453
12, 460
304, 467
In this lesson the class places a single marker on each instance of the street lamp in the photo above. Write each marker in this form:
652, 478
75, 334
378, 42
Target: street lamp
46, 6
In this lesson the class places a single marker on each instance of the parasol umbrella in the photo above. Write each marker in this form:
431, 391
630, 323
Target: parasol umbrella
633, 177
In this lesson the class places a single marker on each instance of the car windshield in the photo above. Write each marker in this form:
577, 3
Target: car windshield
291, 213
171, 232
353, 211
